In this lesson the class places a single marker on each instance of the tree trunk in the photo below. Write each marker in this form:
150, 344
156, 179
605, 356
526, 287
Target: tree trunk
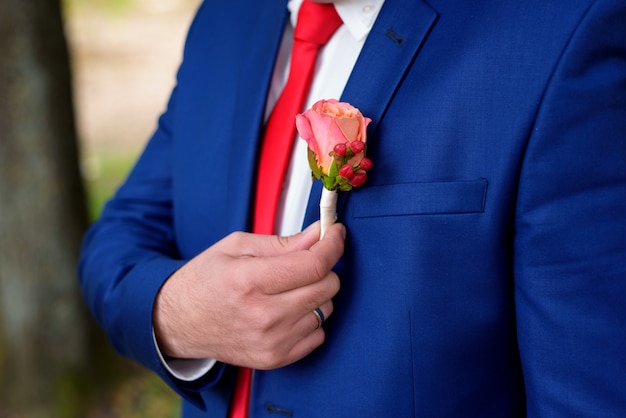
43, 325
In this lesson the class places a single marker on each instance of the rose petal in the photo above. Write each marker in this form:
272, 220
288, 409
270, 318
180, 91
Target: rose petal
363, 126
349, 126
303, 125
326, 135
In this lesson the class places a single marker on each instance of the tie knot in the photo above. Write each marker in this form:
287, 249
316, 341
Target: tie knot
316, 22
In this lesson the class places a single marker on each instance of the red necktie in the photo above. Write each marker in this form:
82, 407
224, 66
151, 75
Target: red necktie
316, 24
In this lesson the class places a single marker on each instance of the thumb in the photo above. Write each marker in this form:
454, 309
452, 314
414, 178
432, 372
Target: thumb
297, 242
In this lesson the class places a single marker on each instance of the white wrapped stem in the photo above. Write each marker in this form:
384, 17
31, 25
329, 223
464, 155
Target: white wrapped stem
328, 210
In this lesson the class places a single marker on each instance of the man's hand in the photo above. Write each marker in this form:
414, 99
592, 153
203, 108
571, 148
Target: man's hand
248, 300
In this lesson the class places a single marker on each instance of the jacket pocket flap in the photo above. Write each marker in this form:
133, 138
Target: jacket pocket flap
450, 197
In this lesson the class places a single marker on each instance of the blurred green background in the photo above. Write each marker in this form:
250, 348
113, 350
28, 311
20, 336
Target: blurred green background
124, 55
82, 84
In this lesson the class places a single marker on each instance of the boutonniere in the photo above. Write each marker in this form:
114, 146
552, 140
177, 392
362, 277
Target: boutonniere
335, 133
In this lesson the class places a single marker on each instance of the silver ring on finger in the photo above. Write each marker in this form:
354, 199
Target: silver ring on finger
320, 317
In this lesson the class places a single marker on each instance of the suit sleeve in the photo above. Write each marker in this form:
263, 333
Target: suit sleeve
570, 229
131, 251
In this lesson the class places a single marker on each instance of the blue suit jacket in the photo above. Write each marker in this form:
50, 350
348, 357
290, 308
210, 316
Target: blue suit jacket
484, 273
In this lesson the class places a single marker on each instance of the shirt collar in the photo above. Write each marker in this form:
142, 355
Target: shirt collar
357, 15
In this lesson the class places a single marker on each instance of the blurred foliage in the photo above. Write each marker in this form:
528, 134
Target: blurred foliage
103, 175
108, 6
135, 392
145, 396
141, 395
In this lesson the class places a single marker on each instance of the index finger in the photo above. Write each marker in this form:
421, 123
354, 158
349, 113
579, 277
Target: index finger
285, 272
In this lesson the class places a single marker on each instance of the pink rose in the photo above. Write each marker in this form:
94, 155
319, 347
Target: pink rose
328, 123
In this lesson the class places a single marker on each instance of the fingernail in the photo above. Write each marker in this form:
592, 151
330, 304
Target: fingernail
343, 231
312, 227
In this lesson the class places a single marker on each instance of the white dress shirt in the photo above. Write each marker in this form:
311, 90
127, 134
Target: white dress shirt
333, 67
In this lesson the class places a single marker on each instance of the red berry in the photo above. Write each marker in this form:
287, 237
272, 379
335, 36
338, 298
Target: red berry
340, 149
358, 179
346, 171
357, 146
366, 164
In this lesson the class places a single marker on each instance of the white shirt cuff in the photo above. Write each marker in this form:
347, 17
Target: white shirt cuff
187, 370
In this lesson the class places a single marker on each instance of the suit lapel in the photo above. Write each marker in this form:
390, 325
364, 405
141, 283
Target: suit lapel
254, 79
391, 46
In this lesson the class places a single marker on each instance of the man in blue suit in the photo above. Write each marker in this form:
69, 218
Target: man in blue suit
482, 266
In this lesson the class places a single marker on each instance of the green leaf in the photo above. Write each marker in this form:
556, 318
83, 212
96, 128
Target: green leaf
333, 171
315, 170
329, 182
